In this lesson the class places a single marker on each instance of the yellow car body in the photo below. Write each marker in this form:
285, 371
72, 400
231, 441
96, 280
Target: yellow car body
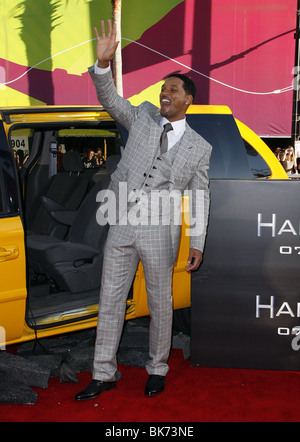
15, 290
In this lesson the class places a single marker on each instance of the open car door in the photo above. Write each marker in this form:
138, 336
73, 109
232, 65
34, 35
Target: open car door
12, 250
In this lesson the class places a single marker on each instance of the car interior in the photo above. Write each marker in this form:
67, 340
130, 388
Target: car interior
64, 242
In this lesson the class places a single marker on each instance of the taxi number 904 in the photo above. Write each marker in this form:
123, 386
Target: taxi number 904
19, 142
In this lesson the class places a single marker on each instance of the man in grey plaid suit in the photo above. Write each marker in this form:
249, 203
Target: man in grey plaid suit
147, 170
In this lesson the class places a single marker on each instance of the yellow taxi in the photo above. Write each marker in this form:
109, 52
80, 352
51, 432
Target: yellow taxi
53, 162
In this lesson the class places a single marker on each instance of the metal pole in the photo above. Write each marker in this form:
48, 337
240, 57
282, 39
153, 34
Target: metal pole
295, 119
117, 11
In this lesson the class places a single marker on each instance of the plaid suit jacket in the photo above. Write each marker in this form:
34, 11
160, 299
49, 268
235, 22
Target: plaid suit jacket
189, 170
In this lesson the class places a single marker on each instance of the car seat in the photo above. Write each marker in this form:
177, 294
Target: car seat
75, 265
65, 191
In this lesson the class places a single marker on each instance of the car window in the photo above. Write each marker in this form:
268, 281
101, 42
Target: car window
9, 198
229, 158
21, 142
94, 145
258, 167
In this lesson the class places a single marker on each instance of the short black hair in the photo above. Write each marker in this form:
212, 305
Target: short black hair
188, 84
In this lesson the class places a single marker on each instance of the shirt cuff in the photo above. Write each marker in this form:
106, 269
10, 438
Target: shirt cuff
100, 71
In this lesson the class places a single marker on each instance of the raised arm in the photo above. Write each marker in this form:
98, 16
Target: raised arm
119, 108
107, 44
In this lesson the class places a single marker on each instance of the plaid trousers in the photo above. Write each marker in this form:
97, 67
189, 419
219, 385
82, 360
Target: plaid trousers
125, 246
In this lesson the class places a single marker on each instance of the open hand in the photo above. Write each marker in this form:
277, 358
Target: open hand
107, 44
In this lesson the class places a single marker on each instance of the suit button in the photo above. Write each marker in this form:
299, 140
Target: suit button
145, 174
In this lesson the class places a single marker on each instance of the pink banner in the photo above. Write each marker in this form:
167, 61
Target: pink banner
253, 49
240, 54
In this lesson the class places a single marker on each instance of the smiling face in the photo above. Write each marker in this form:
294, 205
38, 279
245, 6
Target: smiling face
174, 101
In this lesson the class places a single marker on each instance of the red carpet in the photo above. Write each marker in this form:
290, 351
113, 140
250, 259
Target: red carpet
192, 394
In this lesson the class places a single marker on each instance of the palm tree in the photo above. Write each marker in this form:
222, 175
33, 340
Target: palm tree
117, 7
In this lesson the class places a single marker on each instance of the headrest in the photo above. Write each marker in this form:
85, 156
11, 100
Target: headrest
72, 162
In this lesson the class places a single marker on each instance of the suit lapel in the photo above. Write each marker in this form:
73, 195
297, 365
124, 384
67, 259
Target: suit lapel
183, 152
154, 137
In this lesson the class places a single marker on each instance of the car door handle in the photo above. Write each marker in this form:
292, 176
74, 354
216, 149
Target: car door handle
9, 253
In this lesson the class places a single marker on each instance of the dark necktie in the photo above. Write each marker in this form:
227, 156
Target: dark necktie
164, 138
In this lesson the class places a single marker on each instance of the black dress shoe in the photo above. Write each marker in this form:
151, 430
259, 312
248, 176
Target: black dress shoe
155, 385
94, 389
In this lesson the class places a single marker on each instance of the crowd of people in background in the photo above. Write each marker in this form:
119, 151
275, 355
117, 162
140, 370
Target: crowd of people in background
287, 157
90, 158
93, 159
